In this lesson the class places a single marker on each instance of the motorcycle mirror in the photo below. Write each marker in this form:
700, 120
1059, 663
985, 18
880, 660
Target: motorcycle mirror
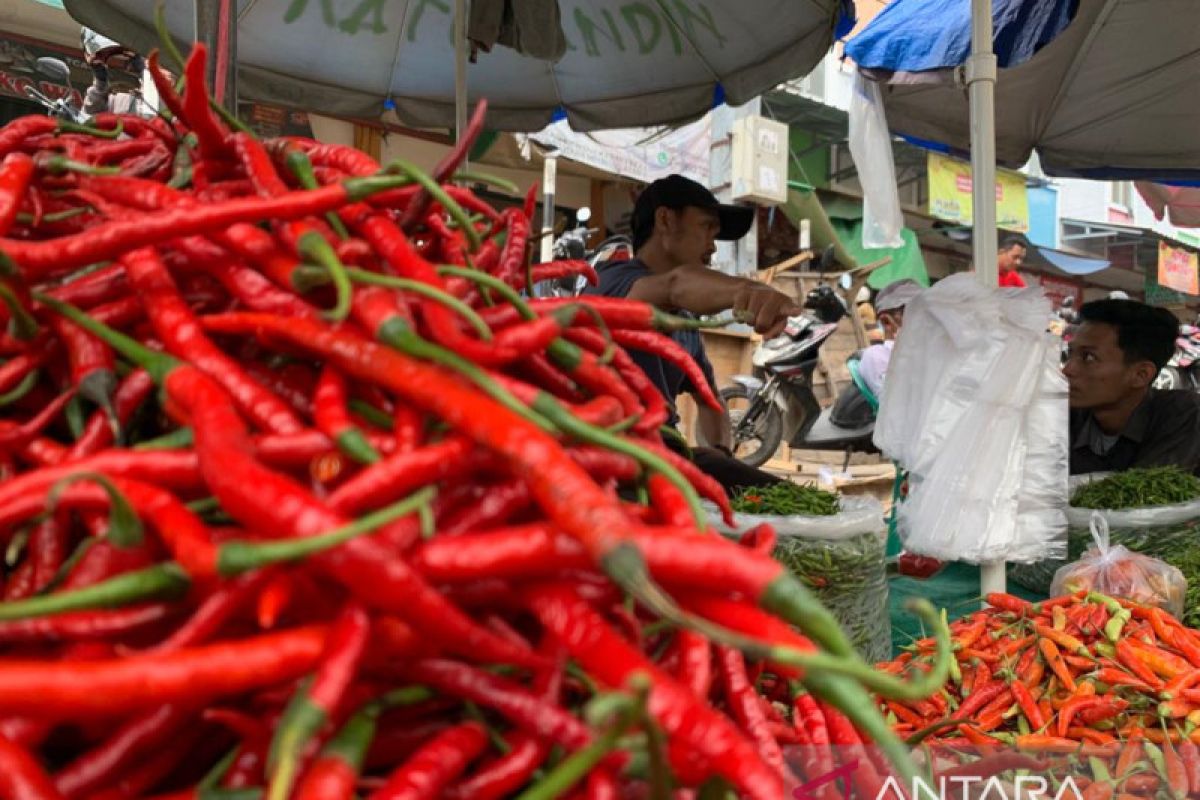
845, 281
54, 68
583, 215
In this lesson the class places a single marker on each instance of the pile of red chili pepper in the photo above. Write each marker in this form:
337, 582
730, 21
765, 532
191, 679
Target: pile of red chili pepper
302, 497
1111, 683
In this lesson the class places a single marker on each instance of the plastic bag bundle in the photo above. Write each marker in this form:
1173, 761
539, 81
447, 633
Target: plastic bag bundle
841, 559
1118, 571
1166, 532
974, 409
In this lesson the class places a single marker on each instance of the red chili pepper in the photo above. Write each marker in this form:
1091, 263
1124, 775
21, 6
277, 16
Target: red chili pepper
446, 167
136, 738
334, 773
16, 173
686, 720
400, 474
315, 703
506, 774
1072, 707
435, 765
80, 626
112, 687
332, 416
743, 702
40, 259
15, 435
98, 433
520, 706
178, 327
212, 138
21, 776
1028, 705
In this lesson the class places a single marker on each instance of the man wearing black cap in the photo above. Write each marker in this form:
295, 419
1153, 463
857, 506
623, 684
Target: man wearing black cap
676, 223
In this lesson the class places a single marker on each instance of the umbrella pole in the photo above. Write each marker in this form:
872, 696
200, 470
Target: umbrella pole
981, 82
216, 27
460, 69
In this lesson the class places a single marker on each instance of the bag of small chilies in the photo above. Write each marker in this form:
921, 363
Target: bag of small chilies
1119, 572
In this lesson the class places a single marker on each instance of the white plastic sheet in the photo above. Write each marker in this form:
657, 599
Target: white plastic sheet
871, 149
975, 410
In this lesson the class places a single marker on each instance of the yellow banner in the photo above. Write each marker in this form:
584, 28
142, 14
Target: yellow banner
1178, 269
950, 194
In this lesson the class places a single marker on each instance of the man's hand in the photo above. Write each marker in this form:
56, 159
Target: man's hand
764, 308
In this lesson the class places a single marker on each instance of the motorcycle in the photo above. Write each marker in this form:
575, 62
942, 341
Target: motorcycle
56, 70
778, 398
1181, 371
572, 244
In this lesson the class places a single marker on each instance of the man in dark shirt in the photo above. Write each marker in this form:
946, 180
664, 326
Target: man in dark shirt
1118, 421
676, 223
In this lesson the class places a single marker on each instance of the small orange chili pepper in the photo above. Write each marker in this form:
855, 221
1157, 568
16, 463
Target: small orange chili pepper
1057, 665
1090, 735
1063, 640
1132, 660
1176, 707
1163, 663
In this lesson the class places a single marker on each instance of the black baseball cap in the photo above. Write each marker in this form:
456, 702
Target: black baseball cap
676, 192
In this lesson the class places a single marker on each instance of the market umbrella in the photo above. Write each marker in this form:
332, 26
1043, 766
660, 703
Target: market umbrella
923, 38
1180, 205
628, 62
1113, 96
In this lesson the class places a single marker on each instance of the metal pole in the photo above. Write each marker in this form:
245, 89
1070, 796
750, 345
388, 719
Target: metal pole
216, 28
460, 68
981, 82
549, 175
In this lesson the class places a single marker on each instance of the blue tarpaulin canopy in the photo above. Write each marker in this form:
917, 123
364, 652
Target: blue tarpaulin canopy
936, 34
1073, 264
1113, 95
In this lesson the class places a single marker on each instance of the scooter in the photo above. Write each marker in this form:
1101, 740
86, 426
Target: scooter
779, 399
1181, 372
56, 70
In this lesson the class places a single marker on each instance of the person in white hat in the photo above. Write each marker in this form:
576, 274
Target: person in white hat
889, 306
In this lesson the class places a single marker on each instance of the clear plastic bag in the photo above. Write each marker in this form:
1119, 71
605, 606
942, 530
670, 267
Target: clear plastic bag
1160, 531
973, 412
1118, 571
871, 149
842, 559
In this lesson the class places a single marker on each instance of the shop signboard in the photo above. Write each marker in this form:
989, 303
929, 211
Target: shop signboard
269, 121
950, 194
1059, 289
1177, 269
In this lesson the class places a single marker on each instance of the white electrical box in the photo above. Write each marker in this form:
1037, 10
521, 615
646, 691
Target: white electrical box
760, 160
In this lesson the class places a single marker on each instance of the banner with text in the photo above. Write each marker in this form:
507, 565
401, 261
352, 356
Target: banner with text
1177, 269
950, 194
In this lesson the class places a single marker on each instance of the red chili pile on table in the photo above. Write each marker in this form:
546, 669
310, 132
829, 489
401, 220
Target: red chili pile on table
302, 497
1108, 682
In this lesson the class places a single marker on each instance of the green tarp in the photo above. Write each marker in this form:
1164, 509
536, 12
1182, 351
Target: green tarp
907, 261
837, 221
955, 588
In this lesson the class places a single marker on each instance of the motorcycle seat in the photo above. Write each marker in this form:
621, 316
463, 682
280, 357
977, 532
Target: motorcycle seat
824, 435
